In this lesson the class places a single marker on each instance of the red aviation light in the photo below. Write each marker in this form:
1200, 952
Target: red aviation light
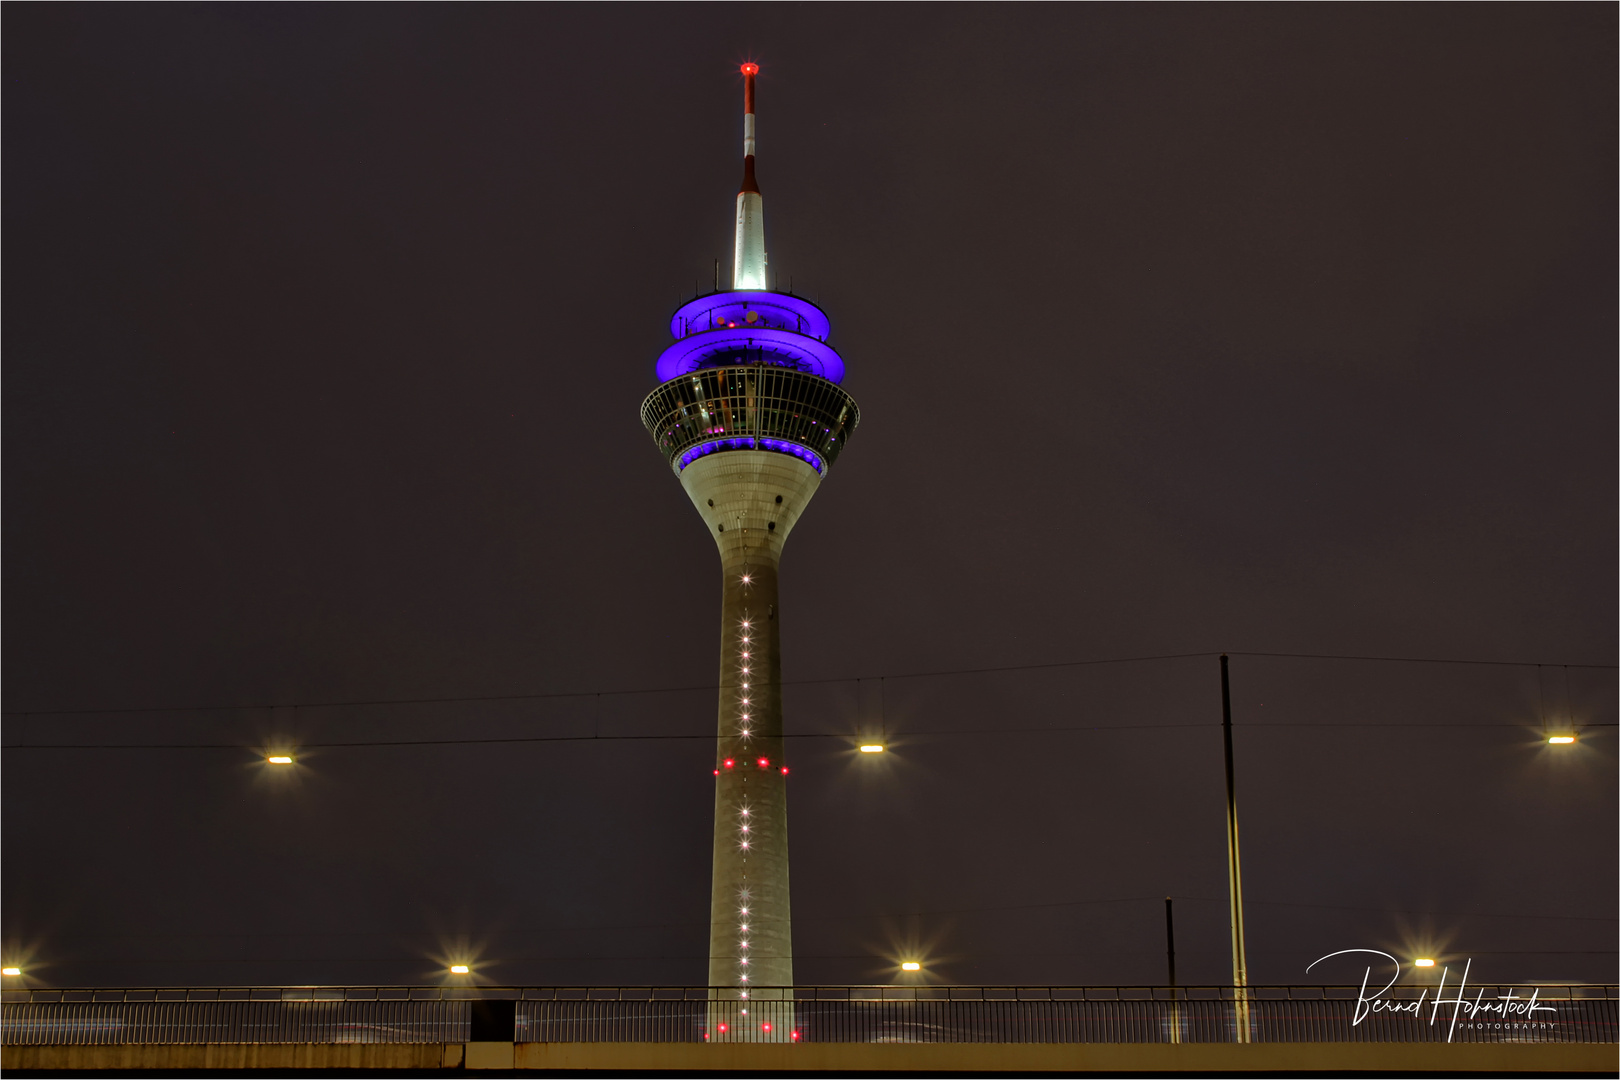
722, 1029
728, 763
795, 1036
767, 1027
764, 762
784, 770
750, 69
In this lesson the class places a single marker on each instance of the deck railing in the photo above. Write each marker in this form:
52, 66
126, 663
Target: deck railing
843, 1014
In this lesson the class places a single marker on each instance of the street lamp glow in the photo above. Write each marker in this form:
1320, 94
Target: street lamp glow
1423, 961
1560, 740
911, 965
872, 748
10, 971
279, 759
459, 969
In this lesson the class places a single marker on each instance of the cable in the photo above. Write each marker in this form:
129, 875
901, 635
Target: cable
1404, 911
1418, 660
849, 736
870, 956
875, 915
557, 695
571, 693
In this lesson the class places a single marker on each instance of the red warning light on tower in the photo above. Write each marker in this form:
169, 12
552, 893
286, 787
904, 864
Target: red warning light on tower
750, 69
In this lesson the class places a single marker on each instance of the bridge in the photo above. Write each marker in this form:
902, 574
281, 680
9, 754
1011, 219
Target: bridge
1526, 1029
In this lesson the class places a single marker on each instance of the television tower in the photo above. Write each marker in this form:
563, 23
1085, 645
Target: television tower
750, 416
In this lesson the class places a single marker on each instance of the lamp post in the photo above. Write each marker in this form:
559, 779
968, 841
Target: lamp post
1170, 955
1234, 875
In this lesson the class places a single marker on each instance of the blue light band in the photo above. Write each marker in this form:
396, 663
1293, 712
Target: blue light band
780, 446
800, 351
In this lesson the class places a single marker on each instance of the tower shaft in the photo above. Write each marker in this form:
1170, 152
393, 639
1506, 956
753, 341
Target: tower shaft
751, 500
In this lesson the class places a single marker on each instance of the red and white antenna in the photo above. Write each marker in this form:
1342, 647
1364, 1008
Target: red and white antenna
748, 184
749, 263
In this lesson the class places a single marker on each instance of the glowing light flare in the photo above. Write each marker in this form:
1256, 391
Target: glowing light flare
784, 770
1560, 740
911, 965
746, 579
795, 1035
11, 971
723, 1029
728, 763
764, 762
279, 759
767, 1027
750, 69
459, 969
872, 748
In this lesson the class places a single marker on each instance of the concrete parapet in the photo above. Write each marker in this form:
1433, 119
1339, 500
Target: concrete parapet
1122, 1058
1155, 1058
221, 1056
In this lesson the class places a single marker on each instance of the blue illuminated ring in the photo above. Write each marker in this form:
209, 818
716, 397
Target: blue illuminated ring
780, 446
805, 353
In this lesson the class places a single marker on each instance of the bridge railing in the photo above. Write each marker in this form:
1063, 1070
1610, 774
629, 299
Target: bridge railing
844, 1014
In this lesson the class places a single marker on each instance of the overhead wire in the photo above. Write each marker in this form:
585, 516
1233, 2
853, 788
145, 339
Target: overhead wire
694, 688
863, 916
848, 736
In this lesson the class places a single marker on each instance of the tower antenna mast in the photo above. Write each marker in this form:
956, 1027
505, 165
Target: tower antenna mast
749, 262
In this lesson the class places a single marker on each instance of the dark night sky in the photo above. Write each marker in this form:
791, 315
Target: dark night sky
1176, 329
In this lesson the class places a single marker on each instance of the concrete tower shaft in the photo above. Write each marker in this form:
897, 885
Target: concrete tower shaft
751, 500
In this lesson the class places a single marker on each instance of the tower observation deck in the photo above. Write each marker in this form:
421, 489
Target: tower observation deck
750, 416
